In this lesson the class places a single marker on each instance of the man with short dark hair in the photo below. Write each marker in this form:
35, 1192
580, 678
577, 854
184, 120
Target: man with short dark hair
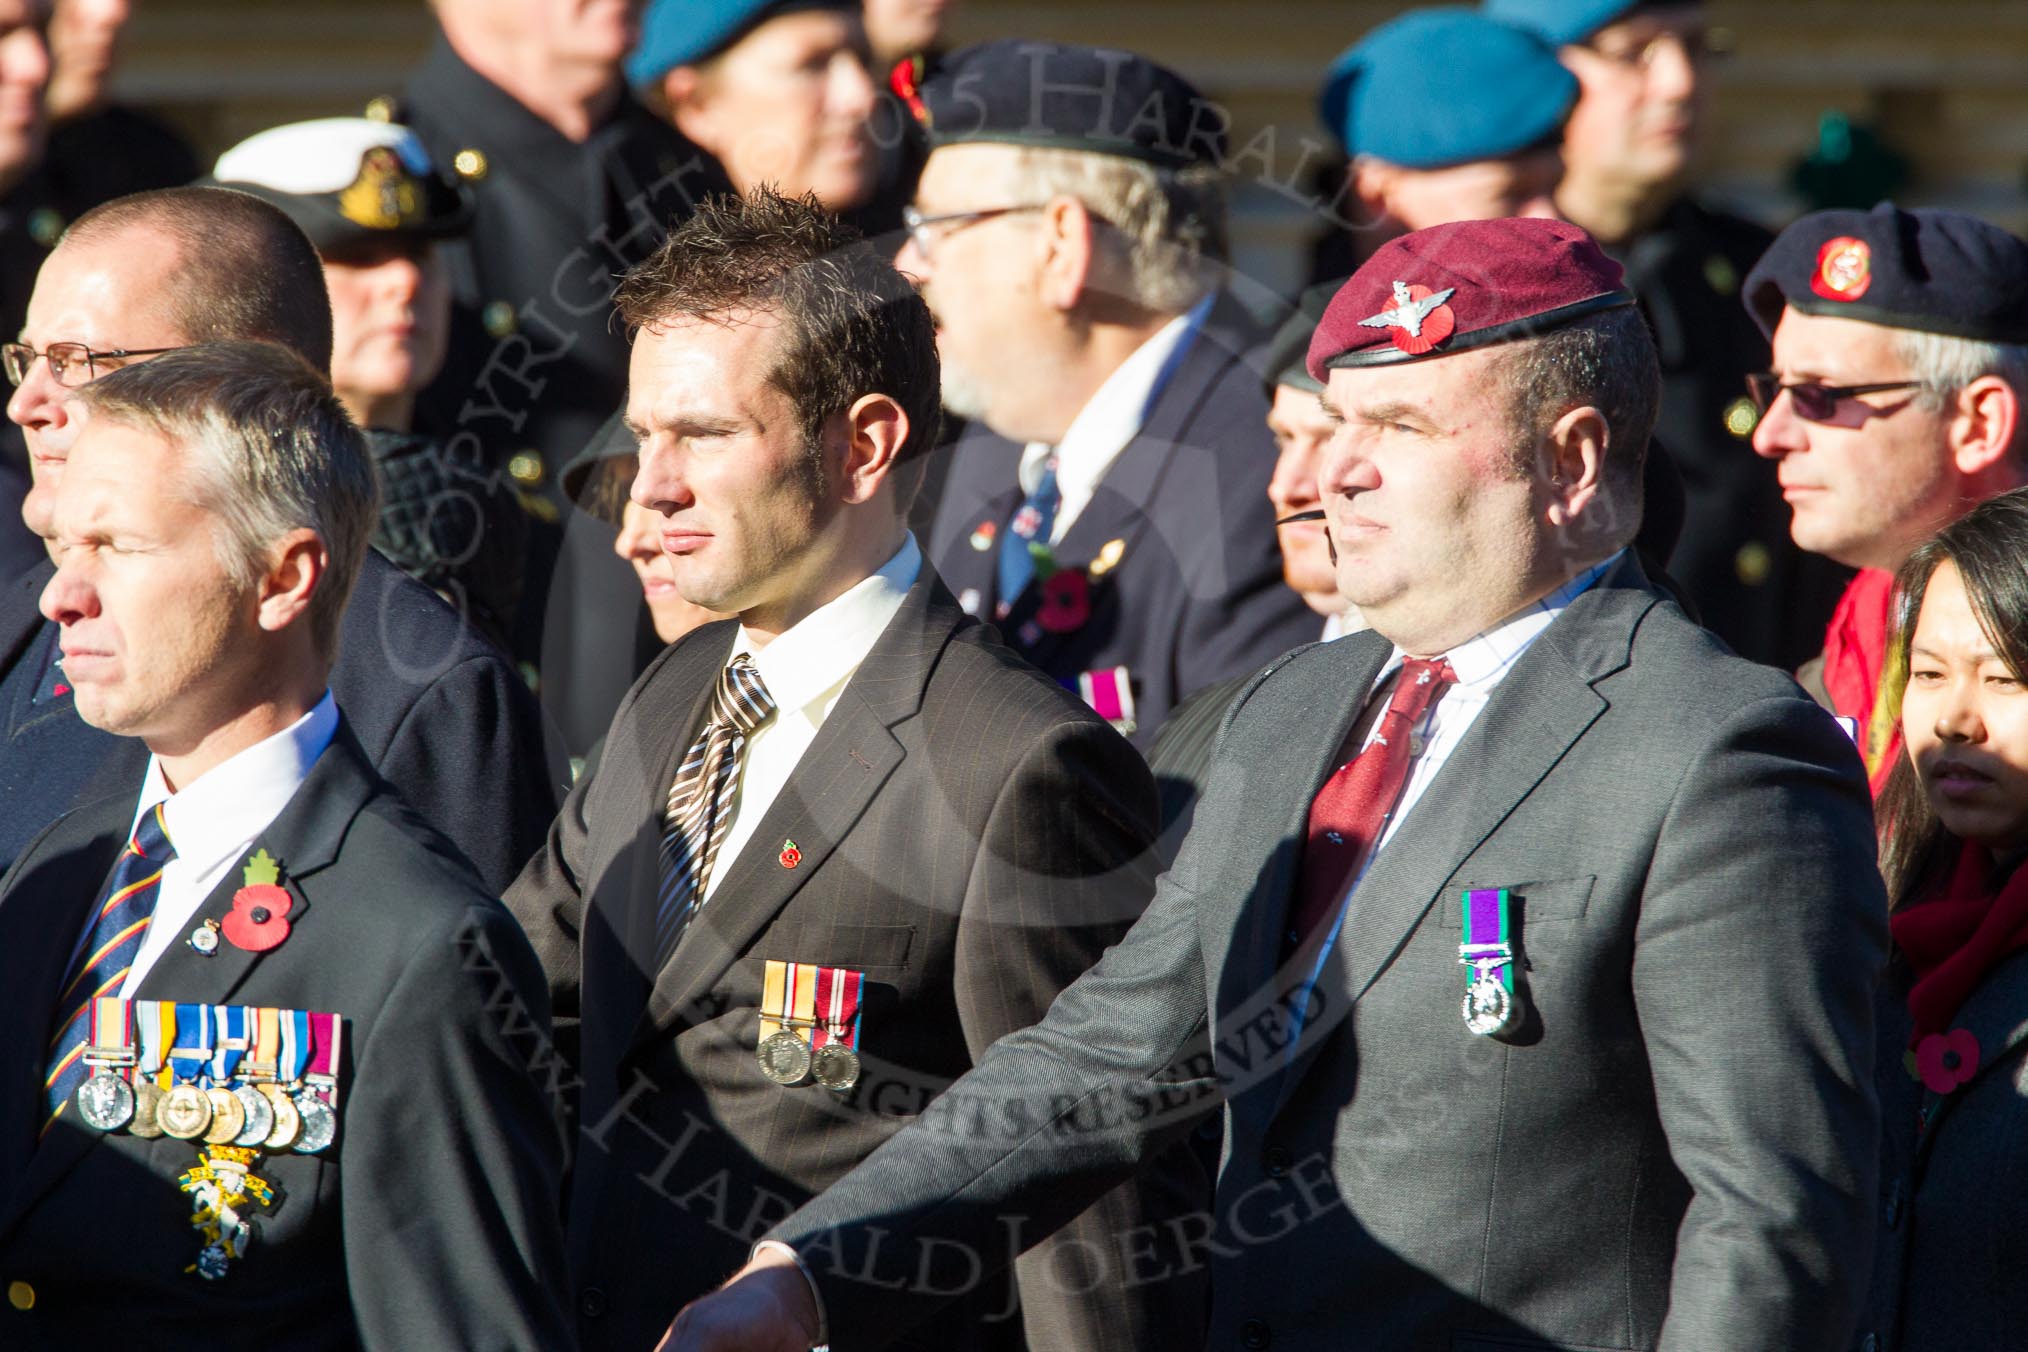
440, 711
833, 848
258, 1018
1512, 1048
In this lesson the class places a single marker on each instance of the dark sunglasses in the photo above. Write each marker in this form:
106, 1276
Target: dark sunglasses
1814, 403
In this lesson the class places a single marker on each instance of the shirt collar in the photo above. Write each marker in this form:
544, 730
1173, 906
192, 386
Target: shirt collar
823, 648
1115, 413
234, 801
1481, 660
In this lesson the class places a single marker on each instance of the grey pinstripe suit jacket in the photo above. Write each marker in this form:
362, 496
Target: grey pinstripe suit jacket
1675, 1150
971, 837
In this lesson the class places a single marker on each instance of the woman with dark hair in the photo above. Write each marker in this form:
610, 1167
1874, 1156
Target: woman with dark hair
1954, 1010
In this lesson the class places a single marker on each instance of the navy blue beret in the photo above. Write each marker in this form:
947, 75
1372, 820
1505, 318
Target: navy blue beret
683, 32
1019, 91
1438, 87
1926, 269
1564, 21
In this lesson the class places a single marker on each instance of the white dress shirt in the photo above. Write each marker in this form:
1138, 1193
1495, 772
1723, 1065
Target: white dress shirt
214, 820
1111, 418
806, 669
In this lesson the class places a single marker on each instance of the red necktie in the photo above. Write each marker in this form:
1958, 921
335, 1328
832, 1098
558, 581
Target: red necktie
1350, 812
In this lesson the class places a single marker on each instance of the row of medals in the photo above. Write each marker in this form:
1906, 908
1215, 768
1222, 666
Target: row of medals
787, 1058
263, 1116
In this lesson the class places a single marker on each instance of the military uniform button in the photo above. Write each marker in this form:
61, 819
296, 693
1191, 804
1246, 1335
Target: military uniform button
45, 226
1253, 1335
21, 1295
592, 1303
1753, 563
470, 164
1278, 1161
1721, 274
380, 109
525, 468
1741, 417
499, 318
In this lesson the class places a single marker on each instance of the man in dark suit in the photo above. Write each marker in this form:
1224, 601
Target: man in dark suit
440, 711
1108, 508
833, 849
265, 1077
1536, 933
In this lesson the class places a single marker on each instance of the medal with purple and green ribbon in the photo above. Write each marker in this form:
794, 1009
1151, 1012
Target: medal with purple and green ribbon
1488, 950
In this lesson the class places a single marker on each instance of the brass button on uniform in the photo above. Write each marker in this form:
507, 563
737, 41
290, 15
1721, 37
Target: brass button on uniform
21, 1295
470, 164
525, 468
1753, 563
380, 109
499, 318
1721, 274
45, 226
1741, 417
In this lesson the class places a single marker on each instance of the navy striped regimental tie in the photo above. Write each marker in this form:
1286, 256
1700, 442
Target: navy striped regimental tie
700, 799
120, 923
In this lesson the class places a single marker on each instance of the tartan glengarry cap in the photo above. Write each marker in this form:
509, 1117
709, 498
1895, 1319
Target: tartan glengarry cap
1926, 269
1020, 91
1442, 87
1466, 284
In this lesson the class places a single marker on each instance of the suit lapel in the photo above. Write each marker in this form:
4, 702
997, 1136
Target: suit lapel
304, 838
1996, 1014
1536, 714
852, 756
20, 613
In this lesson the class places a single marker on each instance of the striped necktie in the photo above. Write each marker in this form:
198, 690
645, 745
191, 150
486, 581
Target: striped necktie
699, 811
120, 922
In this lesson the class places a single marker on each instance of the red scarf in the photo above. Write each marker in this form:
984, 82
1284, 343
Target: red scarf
1855, 662
1953, 939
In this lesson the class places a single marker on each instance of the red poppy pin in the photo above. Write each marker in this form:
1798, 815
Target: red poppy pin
1066, 601
260, 909
1844, 269
1418, 320
906, 82
790, 855
1943, 1061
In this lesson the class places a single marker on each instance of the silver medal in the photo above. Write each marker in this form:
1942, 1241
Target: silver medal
106, 1101
835, 1066
260, 1115
1488, 1007
320, 1124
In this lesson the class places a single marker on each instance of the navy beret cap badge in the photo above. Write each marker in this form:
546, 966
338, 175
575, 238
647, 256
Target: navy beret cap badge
1844, 268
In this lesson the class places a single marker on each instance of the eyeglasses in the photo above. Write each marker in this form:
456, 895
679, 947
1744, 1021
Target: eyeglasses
1698, 45
1814, 403
919, 224
72, 364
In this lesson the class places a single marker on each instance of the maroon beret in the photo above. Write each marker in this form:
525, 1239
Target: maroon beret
1467, 284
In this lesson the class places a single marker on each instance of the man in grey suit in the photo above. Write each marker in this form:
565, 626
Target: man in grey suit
1538, 998
835, 849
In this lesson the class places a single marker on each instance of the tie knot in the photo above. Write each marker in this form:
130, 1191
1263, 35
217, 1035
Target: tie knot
742, 700
151, 837
1420, 683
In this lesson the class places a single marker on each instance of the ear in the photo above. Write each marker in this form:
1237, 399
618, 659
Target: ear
1372, 184
875, 429
690, 106
1065, 247
1987, 418
1574, 454
297, 565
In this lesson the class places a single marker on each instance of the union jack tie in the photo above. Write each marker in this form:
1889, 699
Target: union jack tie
120, 923
700, 800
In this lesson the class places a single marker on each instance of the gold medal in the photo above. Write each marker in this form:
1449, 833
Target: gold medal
147, 1103
835, 1066
185, 1112
785, 1058
228, 1117
288, 1122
